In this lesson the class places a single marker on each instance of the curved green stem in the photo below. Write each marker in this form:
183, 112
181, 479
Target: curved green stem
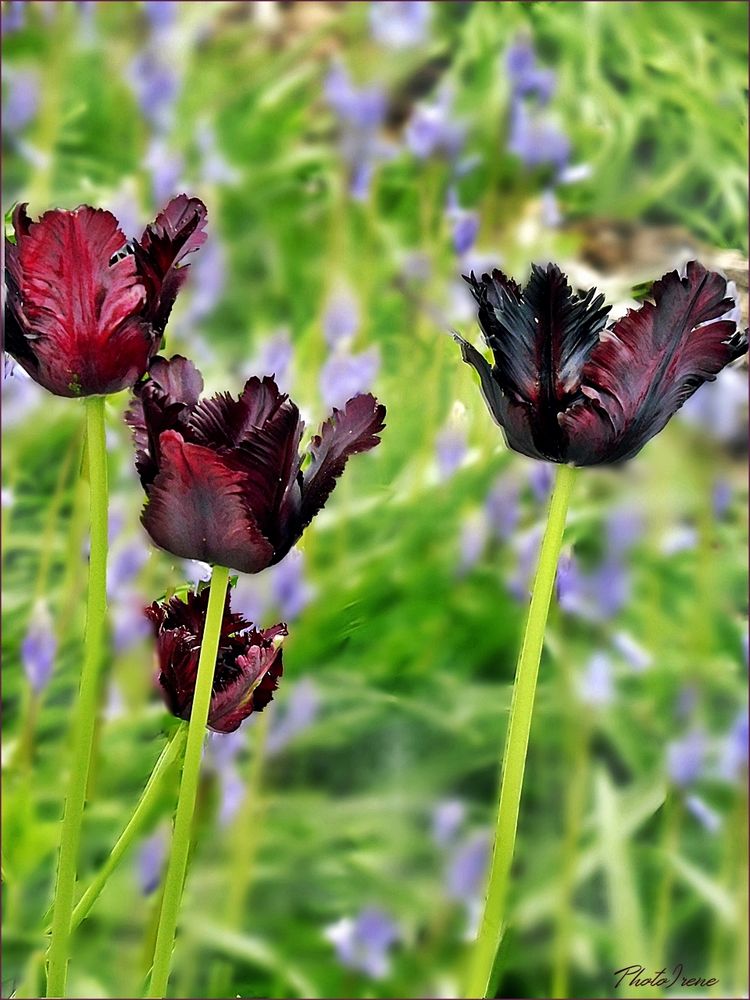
171, 752
175, 878
85, 710
487, 943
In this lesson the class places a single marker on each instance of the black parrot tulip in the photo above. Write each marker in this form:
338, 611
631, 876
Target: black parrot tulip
248, 662
567, 388
224, 477
86, 309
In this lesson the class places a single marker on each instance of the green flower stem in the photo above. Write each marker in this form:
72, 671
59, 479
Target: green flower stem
85, 710
519, 725
175, 878
171, 753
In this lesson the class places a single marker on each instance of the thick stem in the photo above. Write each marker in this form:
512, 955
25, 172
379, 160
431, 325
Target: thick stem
85, 710
175, 878
171, 752
517, 740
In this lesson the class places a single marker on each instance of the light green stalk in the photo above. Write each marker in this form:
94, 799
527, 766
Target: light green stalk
175, 878
514, 759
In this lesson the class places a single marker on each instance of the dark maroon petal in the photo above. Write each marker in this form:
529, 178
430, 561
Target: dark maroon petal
269, 456
164, 402
196, 509
514, 417
80, 313
648, 363
224, 421
247, 685
540, 339
190, 615
345, 433
177, 231
177, 655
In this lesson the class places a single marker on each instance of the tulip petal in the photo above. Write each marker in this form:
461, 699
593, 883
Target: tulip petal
81, 310
347, 432
177, 231
164, 402
648, 363
196, 509
248, 685
540, 338
223, 421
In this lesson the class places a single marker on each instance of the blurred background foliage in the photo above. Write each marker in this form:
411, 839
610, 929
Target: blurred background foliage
356, 158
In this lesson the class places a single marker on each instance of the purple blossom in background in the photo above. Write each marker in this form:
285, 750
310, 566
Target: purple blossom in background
275, 358
526, 548
721, 498
151, 858
472, 541
734, 751
207, 277
361, 112
20, 395
685, 758
20, 99
294, 716
291, 591
250, 597
345, 375
123, 204
129, 624
679, 538
232, 792
125, 564
706, 816
214, 167
451, 448
400, 24
447, 819
222, 750
341, 318
596, 683
365, 942
166, 169
624, 529
38, 649
14, 16
526, 77
196, 572
433, 131
719, 408
464, 877
161, 14
156, 86
541, 478
537, 141
632, 651
686, 702
502, 506
464, 224
551, 214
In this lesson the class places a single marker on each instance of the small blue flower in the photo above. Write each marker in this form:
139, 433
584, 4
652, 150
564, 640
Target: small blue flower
686, 757
447, 819
596, 683
151, 858
400, 24
20, 99
38, 649
503, 507
289, 587
293, 716
433, 131
464, 877
364, 943
345, 375
341, 318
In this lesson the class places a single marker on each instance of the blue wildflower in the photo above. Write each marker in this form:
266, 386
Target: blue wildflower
38, 648
365, 942
400, 24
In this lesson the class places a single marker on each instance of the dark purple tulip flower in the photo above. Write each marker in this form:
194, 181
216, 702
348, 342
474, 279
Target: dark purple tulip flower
86, 310
567, 388
248, 664
224, 476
